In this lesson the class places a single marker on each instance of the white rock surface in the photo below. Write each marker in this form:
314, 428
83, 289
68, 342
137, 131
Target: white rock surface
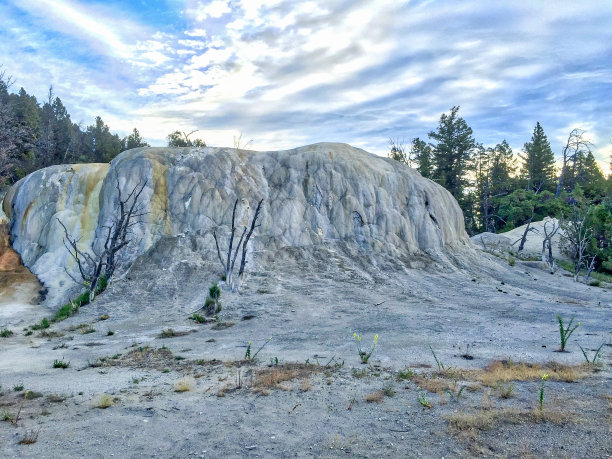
314, 194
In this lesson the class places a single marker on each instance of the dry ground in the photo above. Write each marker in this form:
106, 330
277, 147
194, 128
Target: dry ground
147, 391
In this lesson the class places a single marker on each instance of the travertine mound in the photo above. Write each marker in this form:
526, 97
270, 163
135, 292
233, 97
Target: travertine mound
312, 195
504, 243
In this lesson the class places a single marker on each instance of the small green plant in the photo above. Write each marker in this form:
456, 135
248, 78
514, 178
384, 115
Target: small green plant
360, 373
439, 363
565, 332
258, 350
61, 364
110, 333
388, 389
542, 385
42, 325
596, 356
197, 318
402, 375
212, 305
365, 355
455, 396
6, 333
18, 388
422, 399
247, 354
168, 333
511, 261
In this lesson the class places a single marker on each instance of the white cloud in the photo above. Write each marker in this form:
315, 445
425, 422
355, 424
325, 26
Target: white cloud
214, 9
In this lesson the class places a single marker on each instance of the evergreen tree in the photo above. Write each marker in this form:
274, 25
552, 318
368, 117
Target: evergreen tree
398, 152
102, 145
538, 161
181, 139
589, 175
421, 155
452, 152
134, 140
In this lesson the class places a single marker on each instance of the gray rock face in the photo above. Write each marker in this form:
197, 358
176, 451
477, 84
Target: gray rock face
312, 195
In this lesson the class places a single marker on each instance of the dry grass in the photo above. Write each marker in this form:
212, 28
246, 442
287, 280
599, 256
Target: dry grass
305, 385
103, 401
488, 419
374, 397
30, 437
184, 384
433, 383
503, 371
272, 377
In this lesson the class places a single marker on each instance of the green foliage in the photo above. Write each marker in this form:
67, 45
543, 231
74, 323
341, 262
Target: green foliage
541, 392
452, 152
212, 305
565, 332
596, 356
44, 323
538, 166
61, 364
197, 318
38, 134
402, 375
364, 355
5, 333
181, 139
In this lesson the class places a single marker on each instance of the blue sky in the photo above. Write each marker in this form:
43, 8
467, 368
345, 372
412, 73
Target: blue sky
288, 73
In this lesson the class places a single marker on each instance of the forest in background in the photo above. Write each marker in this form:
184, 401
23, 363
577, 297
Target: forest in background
496, 189
36, 134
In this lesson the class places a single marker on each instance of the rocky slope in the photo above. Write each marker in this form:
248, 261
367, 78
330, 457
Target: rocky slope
313, 195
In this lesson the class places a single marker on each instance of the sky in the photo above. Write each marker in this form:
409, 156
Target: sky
286, 73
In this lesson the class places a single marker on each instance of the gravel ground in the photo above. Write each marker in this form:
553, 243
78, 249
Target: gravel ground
314, 401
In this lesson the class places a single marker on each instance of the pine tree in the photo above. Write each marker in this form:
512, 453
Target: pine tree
452, 152
421, 155
538, 161
134, 140
589, 175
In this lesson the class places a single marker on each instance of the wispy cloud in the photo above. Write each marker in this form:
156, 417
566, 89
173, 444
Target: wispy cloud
287, 73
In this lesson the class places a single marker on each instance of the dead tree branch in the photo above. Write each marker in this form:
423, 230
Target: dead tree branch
93, 265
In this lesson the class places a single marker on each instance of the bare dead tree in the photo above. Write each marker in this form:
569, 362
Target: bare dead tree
228, 265
246, 241
547, 255
576, 239
523, 238
575, 145
230, 259
95, 263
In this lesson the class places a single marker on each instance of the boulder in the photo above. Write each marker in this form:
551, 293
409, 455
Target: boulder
312, 195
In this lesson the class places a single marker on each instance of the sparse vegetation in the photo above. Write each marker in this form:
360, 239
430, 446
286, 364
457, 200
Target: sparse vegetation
374, 397
565, 332
365, 355
541, 393
197, 318
402, 375
61, 364
30, 437
596, 356
184, 384
439, 363
422, 399
103, 401
5, 333
44, 323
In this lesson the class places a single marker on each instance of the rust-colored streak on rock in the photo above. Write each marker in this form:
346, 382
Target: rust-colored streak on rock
13, 275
